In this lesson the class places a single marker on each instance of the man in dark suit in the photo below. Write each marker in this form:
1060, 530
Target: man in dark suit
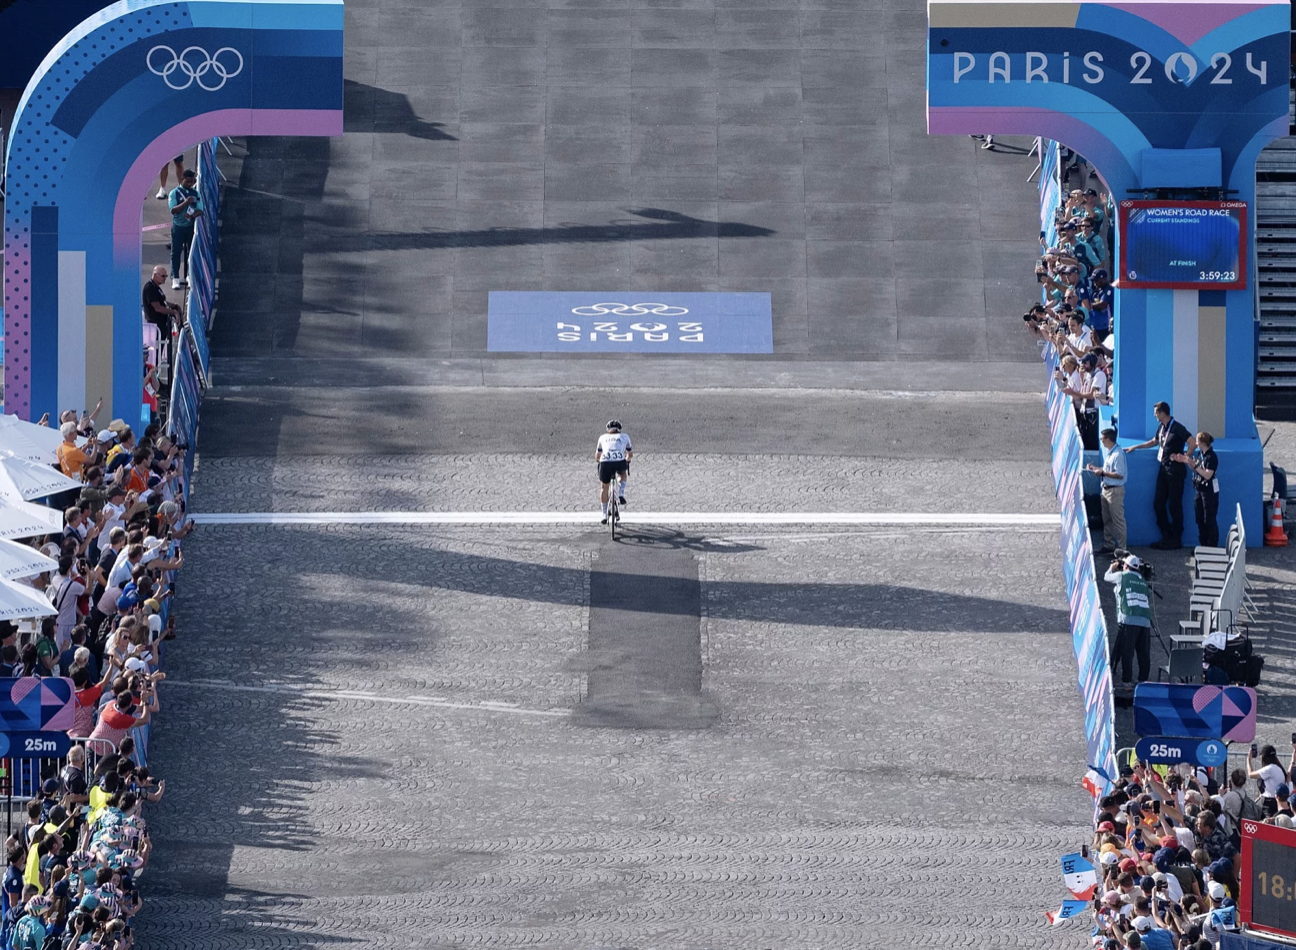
1172, 439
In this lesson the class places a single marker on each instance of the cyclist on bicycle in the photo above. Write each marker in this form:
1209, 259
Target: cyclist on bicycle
613, 454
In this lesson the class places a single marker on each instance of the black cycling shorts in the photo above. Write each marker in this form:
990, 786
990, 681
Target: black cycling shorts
609, 469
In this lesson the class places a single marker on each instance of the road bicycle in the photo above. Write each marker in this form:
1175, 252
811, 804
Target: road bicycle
614, 506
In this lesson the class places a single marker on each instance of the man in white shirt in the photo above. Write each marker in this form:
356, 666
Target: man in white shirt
115, 509
122, 568
1079, 338
1114, 472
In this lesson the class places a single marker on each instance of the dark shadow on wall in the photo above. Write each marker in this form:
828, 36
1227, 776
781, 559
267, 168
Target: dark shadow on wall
370, 109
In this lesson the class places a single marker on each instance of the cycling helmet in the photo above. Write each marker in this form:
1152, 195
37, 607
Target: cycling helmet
615, 424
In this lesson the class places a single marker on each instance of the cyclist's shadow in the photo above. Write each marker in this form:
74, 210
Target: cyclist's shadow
651, 536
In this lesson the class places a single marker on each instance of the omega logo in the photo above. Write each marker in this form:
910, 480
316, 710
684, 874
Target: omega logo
1180, 68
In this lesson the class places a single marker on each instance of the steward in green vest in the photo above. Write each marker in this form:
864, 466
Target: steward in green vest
1133, 620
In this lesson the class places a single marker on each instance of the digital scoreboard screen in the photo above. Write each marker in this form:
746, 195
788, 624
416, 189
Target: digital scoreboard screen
1268, 878
1183, 245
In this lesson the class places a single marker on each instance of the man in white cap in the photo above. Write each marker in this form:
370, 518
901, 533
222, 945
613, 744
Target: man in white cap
1133, 618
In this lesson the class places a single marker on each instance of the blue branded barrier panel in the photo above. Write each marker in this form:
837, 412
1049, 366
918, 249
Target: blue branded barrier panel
1050, 184
202, 258
186, 397
629, 322
1088, 627
1203, 712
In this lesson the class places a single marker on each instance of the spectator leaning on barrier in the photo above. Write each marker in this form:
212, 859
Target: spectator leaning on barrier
1098, 297
1171, 440
1133, 618
159, 311
1113, 473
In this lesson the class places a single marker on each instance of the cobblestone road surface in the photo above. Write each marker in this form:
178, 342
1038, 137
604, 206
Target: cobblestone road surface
896, 750
382, 737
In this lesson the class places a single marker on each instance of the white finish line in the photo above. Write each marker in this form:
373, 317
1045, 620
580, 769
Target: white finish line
630, 519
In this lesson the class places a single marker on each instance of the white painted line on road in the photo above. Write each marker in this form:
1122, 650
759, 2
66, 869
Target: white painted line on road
333, 695
630, 519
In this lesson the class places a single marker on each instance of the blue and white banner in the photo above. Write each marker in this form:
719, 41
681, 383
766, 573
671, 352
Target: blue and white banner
1068, 910
186, 398
202, 258
629, 322
1088, 627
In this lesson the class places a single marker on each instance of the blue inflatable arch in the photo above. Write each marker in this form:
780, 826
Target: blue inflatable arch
125, 91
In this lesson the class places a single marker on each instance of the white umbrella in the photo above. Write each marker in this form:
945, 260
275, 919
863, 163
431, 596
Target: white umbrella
23, 480
17, 601
22, 519
28, 440
18, 560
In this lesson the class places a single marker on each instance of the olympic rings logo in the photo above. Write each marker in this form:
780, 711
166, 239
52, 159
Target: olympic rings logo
193, 65
1249, 827
630, 310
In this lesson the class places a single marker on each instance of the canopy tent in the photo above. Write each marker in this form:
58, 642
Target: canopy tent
18, 560
18, 602
22, 479
22, 519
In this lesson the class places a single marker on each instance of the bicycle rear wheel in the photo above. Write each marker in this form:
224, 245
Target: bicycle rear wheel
614, 514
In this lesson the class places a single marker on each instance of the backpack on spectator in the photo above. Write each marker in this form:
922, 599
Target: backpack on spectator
1250, 810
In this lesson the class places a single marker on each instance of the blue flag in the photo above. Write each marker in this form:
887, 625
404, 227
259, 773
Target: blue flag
1068, 910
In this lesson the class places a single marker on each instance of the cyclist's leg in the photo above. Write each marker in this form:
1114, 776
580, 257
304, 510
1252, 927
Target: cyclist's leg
623, 480
604, 488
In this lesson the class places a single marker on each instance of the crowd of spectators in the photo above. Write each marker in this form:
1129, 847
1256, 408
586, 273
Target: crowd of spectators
1166, 843
1075, 312
73, 870
1166, 840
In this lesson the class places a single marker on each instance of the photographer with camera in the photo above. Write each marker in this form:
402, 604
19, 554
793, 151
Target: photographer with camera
1133, 617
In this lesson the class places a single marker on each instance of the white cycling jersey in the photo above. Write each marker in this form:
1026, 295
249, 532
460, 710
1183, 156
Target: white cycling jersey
613, 447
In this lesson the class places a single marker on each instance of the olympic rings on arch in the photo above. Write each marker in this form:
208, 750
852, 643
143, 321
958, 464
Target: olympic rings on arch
193, 65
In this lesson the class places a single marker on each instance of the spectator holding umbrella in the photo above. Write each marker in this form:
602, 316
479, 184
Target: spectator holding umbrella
1172, 440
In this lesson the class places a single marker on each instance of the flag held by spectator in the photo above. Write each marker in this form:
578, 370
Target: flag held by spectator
1079, 876
1068, 910
1094, 781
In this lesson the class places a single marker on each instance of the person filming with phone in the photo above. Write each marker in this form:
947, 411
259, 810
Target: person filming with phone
1262, 764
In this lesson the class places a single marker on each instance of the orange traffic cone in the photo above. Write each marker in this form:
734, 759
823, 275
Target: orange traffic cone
1275, 536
